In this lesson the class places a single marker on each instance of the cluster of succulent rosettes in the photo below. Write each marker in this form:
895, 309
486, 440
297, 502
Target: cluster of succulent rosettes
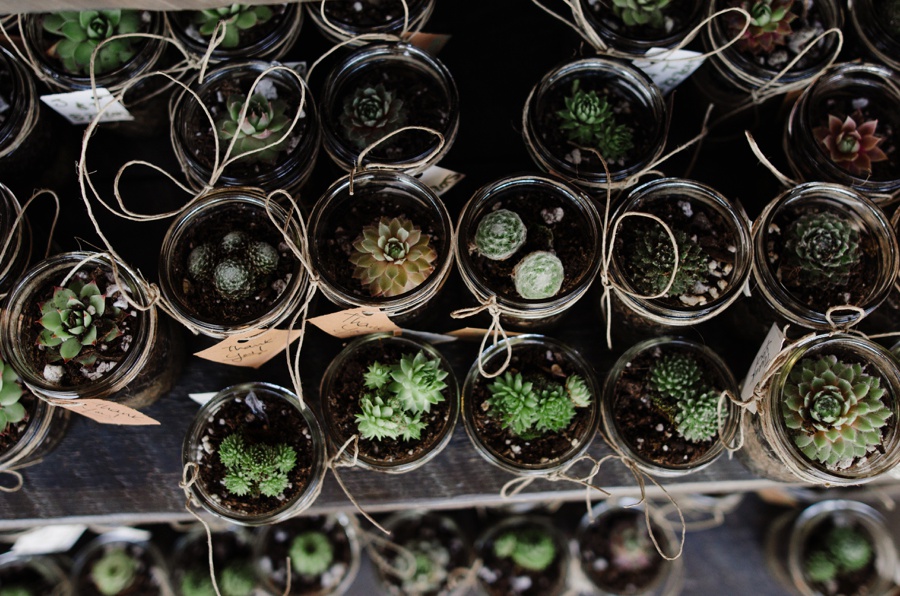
262, 127
851, 143
630, 546
236, 579
500, 234
77, 323
652, 260
235, 18
589, 121
114, 572
256, 468
83, 31
311, 553
835, 409
236, 267
843, 551
824, 246
531, 548
681, 393
431, 561
392, 256
531, 408
370, 114
770, 24
641, 12
11, 411
397, 395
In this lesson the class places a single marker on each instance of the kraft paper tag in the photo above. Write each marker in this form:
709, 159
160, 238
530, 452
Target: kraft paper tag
432, 43
669, 68
78, 107
474, 333
355, 321
769, 349
251, 349
48, 540
105, 412
439, 179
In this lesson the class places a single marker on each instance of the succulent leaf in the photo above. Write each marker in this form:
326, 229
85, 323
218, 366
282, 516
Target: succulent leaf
235, 18
263, 127
770, 24
825, 246
81, 32
418, 382
588, 120
851, 144
370, 114
641, 12
311, 553
392, 257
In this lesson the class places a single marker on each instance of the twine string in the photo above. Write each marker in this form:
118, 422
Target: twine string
340, 461
785, 181
517, 485
11, 469
461, 578
20, 221
359, 167
189, 475
494, 330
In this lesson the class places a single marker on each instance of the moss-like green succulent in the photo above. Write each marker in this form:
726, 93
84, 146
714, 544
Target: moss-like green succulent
531, 548
641, 12
262, 127
843, 551
392, 257
676, 374
696, 417
555, 409
578, 391
681, 394
236, 18
418, 382
236, 267
11, 411
383, 416
588, 120
527, 409
539, 275
83, 31
311, 553
835, 409
431, 561
820, 567
370, 114
197, 583
651, 260
257, 468
114, 571
825, 246
237, 579
500, 234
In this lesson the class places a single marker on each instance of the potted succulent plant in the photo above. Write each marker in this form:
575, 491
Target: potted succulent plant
232, 560
342, 20
24, 126
275, 103
261, 32
540, 414
522, 556
24, 575
877, 26
635, 26
398, 395
378, 89
324, 552
594, 106
112, 566
259, 454
17, 254
660, 406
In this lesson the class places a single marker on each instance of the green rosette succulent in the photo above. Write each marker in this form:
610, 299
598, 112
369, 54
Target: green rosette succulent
11, 411
392, 257
588, 121
256, 468
262, 127
114, 572
539, 275
578, 391
824, 246
237, 579
531, 549
651, 260
500, 234
311, 553
197, 583
515, 401
820, 567
770, 24
696, 416
630, 546
835, 409
851, 143
430, 573
235, 18
641, 12
418, 382
849, 549
383, 416
370, 114
83, 31
235, 267
676, 374
555, 409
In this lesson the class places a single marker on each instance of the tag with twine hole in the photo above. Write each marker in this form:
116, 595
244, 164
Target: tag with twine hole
251, 349
355, 321
105, 412
80, 107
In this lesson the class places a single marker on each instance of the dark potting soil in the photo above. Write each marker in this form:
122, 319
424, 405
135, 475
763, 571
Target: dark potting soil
821, 295
646, 429
552, 224
109, 354
424, 102
147, 576
14, 432
183, 20
539, 365
598, 560
341, 406
678, 16
510, 579
204, 299
21, 575
853, 583
278, 549
368, 206
281, 423
708, 229
364, 14
229, 548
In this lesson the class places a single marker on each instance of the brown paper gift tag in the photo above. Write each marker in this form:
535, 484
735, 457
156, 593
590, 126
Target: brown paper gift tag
105, 412
474, 333
355, 321
251, 349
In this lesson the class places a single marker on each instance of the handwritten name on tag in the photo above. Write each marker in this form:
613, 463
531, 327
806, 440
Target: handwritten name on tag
79, 107
251, 349
355, 321
105, 412
439, 179
767, 352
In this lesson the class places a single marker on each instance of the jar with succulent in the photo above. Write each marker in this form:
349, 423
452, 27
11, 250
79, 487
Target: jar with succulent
24, 125
636, 26
539, 415
343, 20
661, 405
397, 395
32, 575
877, 27
380, 88
111, 565
381, 239
522, 556
324, 552
280, 125
259, 32
232, 560
258, 455
843, 129
533, 242
594, 107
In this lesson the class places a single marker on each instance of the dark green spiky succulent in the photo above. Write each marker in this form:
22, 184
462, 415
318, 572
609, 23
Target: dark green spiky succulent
236, 18
311, 553
651, 260
83, 31
588, 120
844, 550
11, 411
531, 548
262, 127
696, 417
835, 409
500, 234
431, 561
682, 395
824, 246
256, 468
372, 113
676, 374
531, 408
236, 267
641, 12
77, 321
555, 409
114, 571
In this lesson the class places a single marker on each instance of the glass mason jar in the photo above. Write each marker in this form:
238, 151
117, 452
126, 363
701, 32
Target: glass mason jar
32, 574
420, 82
790, 537
769, 447
346, 19
678, 19
245, 210
722, 230
558, 210
149, 366
877, 25
346, 372
527, 352
152, 564
272, 545
46, 427
268, 40
628, 88
295, 420
338, 221
794, 297
18, 252
193, 137
24, 128
861, 91
635, 362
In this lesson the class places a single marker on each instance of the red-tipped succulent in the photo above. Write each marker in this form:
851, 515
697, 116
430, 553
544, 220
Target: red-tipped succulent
770, 24
851, 145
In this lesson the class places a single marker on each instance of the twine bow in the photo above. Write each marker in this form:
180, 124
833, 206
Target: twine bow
359, 167
517, 485
495, 330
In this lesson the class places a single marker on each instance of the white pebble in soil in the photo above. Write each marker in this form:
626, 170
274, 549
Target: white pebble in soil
520, 583
659, 428
686, 208
53, 373
552, 216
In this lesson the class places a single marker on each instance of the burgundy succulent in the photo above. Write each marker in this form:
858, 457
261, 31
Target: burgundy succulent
770, 24
851, 145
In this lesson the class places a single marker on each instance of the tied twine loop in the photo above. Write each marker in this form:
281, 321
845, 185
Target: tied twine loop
11, 469
517, 485
464, 578
359, 167
20, 221
725, 397
340, 460
495, 330
715, 508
